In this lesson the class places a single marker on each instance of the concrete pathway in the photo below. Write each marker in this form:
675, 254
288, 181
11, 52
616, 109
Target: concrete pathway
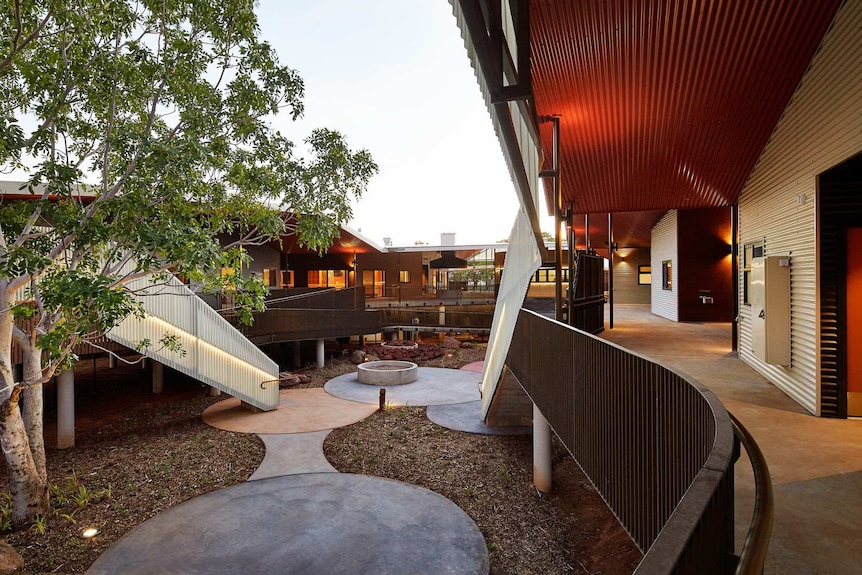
467, 417
314, 524
435, 386
293, 453
815, 463
299, 410
296, 514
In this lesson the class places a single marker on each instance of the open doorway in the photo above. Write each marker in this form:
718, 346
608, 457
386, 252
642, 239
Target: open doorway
853, 304
840, 255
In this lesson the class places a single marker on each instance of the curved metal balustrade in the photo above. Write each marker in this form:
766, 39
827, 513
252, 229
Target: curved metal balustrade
658, 446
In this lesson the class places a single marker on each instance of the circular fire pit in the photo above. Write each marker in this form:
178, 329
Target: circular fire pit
387, 372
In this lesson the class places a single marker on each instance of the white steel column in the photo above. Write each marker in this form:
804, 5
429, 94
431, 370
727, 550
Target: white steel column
158, 377
541, 451
66, 409
321, 358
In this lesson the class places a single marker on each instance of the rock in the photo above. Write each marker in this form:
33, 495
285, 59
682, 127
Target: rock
10, 560
286, 379
466, 344
304, 378
451, 343
358, 356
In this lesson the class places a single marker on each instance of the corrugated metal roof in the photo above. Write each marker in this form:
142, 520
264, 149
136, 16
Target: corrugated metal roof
666, 104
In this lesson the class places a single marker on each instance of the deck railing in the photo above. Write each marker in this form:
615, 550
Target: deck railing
282, 325
658, 446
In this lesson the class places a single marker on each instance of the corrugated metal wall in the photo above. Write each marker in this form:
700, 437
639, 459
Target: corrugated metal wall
664, 239
821, 127
626, 288
214, 351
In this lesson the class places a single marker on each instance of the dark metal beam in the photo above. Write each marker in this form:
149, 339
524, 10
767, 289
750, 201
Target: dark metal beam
610, 271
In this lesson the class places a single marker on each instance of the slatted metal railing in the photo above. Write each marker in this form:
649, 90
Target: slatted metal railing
657, 446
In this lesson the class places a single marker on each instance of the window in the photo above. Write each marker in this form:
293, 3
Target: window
228, 275
549, 275
644, 275
749, 252
327, 278
270, 276
667, 275
287, 278
404, 276
374, 282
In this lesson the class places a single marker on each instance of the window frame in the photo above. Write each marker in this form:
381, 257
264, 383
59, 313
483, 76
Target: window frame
750, 250
667, 275
645, 270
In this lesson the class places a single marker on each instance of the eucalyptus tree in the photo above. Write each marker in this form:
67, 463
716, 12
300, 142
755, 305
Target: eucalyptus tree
144, 132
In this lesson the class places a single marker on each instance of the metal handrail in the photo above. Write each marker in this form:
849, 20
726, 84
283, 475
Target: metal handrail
753, 555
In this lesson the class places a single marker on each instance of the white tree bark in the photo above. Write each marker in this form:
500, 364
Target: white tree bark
29, 488
29, 492
33, 408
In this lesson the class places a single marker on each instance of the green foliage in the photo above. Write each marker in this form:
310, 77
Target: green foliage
40, 524
68, 497
145, 131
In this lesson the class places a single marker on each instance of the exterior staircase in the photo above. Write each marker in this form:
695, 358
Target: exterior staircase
213, 351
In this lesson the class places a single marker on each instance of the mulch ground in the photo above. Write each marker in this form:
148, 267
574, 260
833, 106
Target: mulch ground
137, 454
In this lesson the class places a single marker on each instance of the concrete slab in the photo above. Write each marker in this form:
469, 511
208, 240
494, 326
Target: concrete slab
299, 411
467, 417
312, 524
476, 366
435, 386
292, 454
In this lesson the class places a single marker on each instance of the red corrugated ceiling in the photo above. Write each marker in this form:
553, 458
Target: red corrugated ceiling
666, 104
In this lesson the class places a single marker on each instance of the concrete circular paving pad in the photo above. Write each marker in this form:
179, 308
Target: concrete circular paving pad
467, 417
435, 386
299, 411
312, 524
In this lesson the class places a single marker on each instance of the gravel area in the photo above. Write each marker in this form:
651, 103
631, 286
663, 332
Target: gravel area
137, 454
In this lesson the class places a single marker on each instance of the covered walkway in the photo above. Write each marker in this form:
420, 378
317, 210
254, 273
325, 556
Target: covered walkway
816, 463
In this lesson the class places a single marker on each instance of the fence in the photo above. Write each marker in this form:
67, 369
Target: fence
657, 446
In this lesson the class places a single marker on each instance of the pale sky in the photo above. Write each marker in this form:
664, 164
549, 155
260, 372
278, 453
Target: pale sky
393, 76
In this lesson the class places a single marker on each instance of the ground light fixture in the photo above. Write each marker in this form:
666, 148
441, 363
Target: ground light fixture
89, 532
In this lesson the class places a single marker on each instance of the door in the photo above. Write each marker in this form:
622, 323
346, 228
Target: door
854, 322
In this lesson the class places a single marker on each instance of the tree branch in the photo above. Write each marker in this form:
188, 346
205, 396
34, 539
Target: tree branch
16, 47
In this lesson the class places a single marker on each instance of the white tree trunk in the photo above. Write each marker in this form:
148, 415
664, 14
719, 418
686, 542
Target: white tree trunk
28, 488
32, 405
29, 491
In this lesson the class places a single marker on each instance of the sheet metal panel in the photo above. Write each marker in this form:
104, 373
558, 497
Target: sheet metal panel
821, 127
665, 303
522, 261
515, 119
667, 104
214, 352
